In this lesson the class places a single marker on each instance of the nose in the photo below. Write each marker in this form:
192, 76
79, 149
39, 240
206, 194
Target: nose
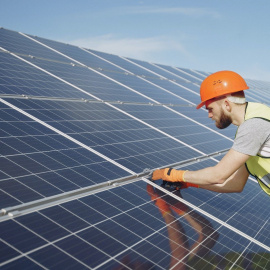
210, 114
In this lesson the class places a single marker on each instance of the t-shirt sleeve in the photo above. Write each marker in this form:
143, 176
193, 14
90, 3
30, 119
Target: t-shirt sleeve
250, 136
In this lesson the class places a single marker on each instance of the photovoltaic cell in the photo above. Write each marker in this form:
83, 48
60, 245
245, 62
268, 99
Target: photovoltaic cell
36, 162
18, 44
108, 131
79, 54
179, 126
134, 234
135, 69
19, 78
73, 121
185, 73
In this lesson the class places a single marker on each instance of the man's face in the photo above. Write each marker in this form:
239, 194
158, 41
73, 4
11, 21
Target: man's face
217, 113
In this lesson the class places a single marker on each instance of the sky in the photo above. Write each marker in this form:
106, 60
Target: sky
206, 35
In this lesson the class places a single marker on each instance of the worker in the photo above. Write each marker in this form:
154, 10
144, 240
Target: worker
222, 93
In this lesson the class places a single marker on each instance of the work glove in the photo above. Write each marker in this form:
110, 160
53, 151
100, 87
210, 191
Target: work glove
169, 174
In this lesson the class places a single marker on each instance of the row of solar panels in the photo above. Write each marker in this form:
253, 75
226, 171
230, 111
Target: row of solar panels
73, 118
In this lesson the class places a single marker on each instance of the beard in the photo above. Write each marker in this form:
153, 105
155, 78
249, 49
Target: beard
224, 121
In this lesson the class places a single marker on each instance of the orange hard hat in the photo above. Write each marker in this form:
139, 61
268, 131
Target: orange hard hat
221, 83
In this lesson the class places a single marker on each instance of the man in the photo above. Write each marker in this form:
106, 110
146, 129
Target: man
223, 96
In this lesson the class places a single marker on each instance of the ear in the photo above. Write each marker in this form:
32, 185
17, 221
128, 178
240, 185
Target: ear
227, 105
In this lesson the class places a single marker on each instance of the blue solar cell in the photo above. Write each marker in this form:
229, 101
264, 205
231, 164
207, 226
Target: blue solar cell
44, 163
134, 225
22, 263
87, 254
102, 241
85, 212
135, 139
52, 257
42, 226
184, 73
102, 206
78, 54
122, 234
65, 218
20, 78
18, 191
125, 64
19, 237
89, 82
7, 252
12, 169
7, 200
19, 44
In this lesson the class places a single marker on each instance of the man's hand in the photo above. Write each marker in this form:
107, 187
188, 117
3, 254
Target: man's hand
169, 174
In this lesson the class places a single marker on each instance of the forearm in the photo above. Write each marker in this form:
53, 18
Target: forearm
207, 176
232, 166
219, 174
235, 183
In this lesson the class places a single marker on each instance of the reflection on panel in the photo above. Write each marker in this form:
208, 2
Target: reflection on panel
246, 211
73, 121
136, 226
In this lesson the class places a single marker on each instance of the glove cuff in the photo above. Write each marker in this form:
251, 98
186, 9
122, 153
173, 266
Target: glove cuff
174, 175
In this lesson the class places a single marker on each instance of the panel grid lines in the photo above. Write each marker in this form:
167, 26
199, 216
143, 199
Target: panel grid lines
78, 130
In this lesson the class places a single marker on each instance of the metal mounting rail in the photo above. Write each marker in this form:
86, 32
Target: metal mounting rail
14, 211
92, 100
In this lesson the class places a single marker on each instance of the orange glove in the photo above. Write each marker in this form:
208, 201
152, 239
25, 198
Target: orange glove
169, 174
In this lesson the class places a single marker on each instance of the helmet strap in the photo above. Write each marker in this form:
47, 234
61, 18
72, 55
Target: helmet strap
237, 100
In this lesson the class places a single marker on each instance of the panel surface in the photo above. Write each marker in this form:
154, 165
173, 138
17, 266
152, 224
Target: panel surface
78, 129
126, 226
36, 162
110, 132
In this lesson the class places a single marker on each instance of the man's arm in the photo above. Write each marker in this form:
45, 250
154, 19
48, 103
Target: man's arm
229, 174
235, 183
220, 173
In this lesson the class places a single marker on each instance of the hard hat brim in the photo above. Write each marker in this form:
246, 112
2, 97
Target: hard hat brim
200, 105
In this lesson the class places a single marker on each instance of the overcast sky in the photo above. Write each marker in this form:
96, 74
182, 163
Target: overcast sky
207, 35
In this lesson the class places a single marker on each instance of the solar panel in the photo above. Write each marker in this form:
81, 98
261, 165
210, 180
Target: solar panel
78, 129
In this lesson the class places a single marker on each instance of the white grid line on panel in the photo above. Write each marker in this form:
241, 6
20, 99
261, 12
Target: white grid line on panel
125, 85
210, 216
167, 92
48, 243
164, 133
19, 256
187, 73
105, 220
72, 139
89, 69
65, 135
248, 245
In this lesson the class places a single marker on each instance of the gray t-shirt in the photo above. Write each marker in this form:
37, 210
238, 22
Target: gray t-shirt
253, 137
